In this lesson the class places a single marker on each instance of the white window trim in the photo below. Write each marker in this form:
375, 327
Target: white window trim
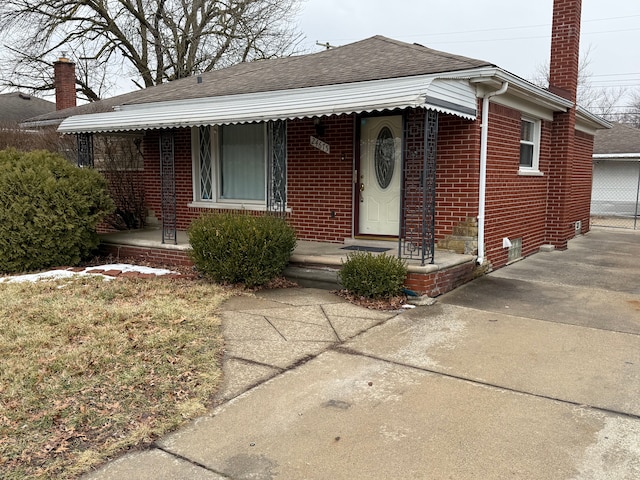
216, 202
534, 169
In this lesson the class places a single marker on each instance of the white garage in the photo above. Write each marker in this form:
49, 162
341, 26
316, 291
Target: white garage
615, 192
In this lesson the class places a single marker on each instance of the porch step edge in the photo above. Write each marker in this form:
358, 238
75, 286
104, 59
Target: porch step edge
323, 278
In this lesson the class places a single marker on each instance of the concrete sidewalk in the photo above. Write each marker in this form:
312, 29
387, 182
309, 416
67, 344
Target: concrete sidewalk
532, 372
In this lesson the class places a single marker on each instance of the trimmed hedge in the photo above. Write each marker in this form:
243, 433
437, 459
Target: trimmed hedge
373, 276
49, 210
241, 248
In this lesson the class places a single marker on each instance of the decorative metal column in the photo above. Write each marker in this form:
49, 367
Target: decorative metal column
168, 187
417, 229
277, 173
85, 150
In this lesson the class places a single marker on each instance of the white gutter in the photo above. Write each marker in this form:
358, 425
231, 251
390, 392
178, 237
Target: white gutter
616, 155
518, 85
483, 166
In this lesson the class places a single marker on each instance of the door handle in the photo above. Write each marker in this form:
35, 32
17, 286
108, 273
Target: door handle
362, 187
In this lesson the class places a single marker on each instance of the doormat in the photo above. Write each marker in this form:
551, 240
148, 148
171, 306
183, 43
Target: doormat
362, 248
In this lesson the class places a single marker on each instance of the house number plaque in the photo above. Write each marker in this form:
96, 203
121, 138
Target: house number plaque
320, 145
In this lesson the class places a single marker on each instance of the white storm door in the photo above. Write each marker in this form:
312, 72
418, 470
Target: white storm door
380, 175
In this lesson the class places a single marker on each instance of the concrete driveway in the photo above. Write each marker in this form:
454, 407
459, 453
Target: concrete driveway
532, 372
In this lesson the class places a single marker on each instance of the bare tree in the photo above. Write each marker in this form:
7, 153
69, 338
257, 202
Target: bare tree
12, 135
151, 41
631, 113
606, 102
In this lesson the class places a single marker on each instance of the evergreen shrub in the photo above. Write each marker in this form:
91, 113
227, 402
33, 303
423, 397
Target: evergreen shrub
373, 276
49, 209
241, 248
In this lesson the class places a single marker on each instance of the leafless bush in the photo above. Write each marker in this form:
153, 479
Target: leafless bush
12, 136
120, 160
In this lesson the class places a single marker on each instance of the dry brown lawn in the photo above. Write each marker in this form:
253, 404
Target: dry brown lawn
91, 368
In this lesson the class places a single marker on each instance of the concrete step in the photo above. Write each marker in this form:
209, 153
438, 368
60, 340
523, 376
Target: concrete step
322, 277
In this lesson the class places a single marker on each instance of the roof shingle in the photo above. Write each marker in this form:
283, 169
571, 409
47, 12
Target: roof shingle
619, 139
16, 107
374, 58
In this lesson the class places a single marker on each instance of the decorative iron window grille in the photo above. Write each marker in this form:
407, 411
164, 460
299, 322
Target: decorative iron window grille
417, 229
206, 163
168, 187
277, 166
85, 150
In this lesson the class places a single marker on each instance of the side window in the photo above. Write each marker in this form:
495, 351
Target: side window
529, 144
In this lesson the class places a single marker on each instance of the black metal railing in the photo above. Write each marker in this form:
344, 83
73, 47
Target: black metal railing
417, 229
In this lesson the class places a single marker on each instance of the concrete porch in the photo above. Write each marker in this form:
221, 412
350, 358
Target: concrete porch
313, 264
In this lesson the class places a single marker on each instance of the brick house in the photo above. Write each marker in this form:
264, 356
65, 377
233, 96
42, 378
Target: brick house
378, 139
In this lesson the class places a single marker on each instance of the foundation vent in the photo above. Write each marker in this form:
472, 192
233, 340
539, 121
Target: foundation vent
515, 250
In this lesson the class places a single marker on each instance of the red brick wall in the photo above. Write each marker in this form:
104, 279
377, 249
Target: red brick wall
183, 173
582, 179
457, 170
516, 205
318, 183
559, 221
152, 171
321, 183
442, 281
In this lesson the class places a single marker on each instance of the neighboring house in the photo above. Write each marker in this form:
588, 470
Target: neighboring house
16, 107
616, 172
375, 139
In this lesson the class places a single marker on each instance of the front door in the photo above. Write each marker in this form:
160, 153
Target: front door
380, 175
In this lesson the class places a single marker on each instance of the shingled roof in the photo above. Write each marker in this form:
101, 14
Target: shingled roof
375, 58
16, 107
619, 139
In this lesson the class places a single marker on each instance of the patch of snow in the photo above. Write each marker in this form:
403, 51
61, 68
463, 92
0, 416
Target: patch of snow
125, 267
58, 273
35, 277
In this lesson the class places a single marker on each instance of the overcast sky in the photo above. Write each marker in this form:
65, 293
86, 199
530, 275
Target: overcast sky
513, 34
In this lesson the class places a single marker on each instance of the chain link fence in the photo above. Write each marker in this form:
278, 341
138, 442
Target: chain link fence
615, 198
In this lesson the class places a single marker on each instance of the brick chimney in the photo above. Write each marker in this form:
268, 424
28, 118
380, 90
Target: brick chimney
64, 75
565, 48
563, 205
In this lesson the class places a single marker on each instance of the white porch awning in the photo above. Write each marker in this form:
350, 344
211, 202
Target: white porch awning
452, 96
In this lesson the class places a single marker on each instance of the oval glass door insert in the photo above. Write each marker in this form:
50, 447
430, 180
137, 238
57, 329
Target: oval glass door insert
384, 157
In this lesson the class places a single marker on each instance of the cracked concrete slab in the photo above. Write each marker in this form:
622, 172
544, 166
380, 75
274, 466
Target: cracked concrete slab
153, 464
575, 364
278, 354
456, 390
240, 375
347, 416
246, 326
533, 299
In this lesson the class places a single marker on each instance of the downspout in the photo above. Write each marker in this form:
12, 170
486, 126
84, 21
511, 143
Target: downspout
484, 134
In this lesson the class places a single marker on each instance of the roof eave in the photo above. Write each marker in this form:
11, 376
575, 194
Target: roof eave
517, 86
307, 102
590, 121
41, 123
